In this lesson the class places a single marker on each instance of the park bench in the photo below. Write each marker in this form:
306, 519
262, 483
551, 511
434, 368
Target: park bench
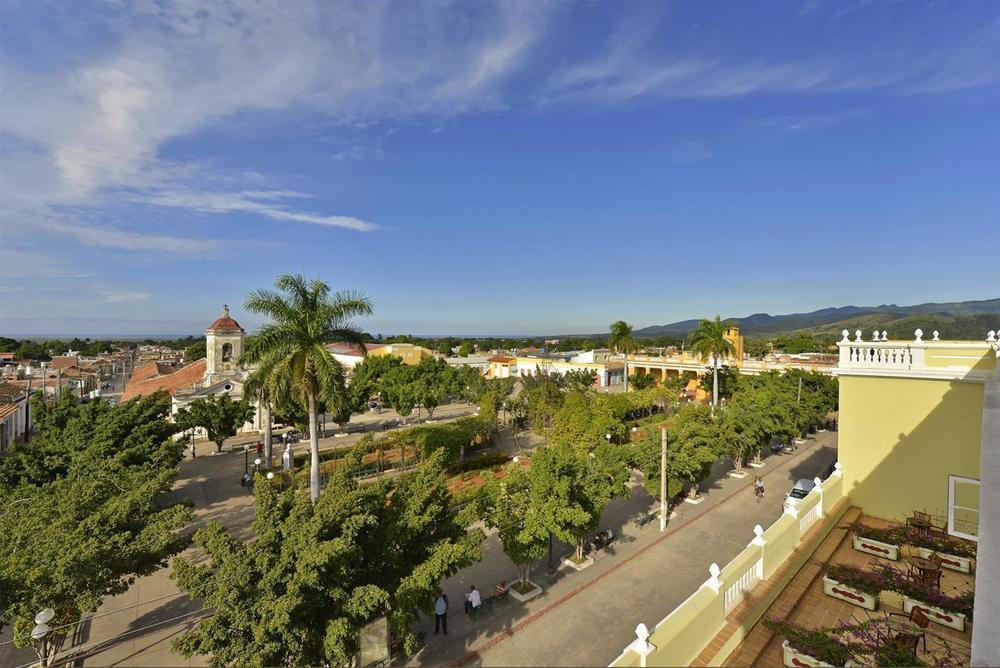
643, 520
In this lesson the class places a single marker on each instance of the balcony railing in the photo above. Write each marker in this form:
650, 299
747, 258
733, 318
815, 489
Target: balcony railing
880, 354
682, 635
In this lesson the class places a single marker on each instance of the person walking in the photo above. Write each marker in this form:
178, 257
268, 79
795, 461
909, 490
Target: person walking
441, 613
260, 449
758, 488
473, 600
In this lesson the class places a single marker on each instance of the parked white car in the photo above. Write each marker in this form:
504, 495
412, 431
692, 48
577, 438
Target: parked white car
799, 491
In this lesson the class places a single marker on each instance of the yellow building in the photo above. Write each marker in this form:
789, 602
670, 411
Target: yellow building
733, 334
911, 426
410, 353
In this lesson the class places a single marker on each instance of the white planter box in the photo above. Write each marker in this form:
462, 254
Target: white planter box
738, 474
698, 499
795, 659
756, 465
876, 547
588, 561
515, 594
850, 594
952, 620
949, 561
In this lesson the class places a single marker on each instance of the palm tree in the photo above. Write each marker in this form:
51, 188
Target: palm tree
709, 341
289, 349
265, 390
622, 342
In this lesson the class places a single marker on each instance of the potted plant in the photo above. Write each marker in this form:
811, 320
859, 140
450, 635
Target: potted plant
855, 585
945, 609
810, 647
956, 555
874, 540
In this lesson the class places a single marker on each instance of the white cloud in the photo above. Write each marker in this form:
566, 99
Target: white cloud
628, 66
113, 296
111, 237
816, 121
92, 131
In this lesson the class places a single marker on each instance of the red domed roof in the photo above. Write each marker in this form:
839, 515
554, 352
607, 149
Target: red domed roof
225, 322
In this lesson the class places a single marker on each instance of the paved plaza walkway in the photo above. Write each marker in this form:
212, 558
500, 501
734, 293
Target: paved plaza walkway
582, 618
586, 618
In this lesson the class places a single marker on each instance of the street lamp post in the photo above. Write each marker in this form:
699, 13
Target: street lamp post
256, 464
40, 634
246, 458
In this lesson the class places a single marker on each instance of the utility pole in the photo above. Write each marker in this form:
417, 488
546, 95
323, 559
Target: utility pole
663, 479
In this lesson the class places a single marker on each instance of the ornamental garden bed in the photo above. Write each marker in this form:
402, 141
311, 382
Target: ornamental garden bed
846, 592
951, 619
875, 541
810, 647
876, 547
952, 562
578, 565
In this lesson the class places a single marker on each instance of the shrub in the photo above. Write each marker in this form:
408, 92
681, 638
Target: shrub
891, 535
494, 460
820, 644
942, 544
866, 580
894, 580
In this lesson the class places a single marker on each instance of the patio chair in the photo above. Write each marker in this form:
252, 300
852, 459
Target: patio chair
920, 619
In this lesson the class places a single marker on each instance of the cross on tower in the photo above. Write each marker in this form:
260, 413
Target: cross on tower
225, 310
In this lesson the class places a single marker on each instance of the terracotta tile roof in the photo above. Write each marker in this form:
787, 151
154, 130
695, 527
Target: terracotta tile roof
183, 377
502, 359
6, 409
63, 362
10, 391
149, 370
224, 322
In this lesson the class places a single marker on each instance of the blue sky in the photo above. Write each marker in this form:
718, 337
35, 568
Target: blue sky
494, 168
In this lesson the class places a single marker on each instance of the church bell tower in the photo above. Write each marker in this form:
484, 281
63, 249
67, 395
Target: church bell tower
223, 347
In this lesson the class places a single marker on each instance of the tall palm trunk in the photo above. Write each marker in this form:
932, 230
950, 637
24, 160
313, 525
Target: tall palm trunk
268, 435
715, 384
625, 357
313, 450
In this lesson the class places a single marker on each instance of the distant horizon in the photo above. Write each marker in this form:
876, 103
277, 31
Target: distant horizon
593, 333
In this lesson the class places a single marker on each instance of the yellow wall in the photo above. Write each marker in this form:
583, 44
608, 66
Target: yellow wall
900, 438
409, 353
733, 334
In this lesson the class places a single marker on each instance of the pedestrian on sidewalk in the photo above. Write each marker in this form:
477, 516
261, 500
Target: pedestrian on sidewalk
758, 488
441, 613
472, 601
260, 449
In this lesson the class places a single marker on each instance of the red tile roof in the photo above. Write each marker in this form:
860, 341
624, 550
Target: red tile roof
225, 323
170, 383
149, 370
503, 359
63, 362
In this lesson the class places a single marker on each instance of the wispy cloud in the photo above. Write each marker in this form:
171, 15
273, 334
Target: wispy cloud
91, 131
815, 121
111, 237
116, 296
629, 65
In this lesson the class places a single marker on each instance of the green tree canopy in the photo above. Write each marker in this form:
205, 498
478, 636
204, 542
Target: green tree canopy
509, 506
217, 414
83, 509
318, 572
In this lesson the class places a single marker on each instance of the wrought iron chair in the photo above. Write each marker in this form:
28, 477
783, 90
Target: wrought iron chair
921, 620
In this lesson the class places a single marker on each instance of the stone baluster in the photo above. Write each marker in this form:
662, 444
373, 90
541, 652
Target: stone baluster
714, 582
641, 644
935, 336
918, 335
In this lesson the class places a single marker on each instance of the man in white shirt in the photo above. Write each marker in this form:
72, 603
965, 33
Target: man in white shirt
473, 600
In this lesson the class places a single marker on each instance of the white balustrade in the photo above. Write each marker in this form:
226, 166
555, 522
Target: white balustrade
734, 593
810, 517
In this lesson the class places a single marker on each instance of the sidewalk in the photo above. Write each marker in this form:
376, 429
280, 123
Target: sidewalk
587, 618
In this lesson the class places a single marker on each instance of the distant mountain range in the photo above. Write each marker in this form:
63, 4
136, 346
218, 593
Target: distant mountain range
952, 319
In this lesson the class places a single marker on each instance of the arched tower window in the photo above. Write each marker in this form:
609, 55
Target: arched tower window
227, 352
